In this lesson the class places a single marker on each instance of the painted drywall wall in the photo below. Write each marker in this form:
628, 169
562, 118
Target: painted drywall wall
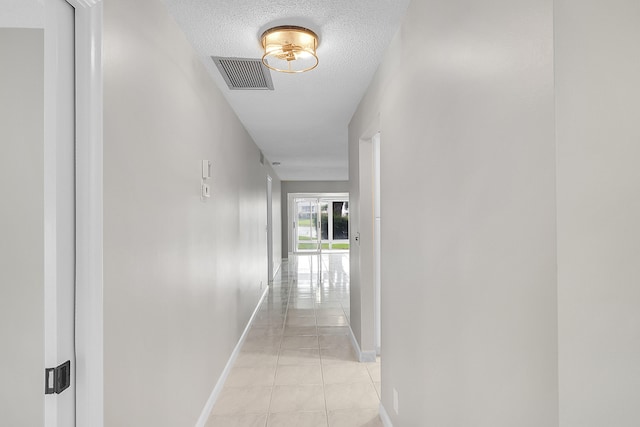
598, 137
21, 14
464, 102
276, 209
22, 226
312, 187
181, 275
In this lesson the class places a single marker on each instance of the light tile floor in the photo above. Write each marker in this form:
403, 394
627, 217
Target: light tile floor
297, 366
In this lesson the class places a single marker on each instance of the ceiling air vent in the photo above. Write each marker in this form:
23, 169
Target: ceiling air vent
244, 73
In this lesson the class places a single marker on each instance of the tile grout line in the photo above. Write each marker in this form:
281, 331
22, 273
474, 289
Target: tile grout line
324, 394
373, 383
284, 324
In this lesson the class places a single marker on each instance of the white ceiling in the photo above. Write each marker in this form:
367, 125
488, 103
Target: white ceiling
303, 122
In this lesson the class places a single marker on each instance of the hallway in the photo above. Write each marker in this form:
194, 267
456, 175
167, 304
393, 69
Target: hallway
504, 135
297, 366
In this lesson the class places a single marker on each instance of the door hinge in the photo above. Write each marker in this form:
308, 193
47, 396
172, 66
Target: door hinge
57, 380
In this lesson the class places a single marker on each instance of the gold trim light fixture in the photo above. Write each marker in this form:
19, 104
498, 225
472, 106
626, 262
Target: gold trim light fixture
290, 49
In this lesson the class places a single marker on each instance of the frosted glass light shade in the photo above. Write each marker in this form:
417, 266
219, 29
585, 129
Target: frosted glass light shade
290, 49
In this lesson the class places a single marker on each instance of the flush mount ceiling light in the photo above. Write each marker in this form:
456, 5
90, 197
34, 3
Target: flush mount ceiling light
290, 49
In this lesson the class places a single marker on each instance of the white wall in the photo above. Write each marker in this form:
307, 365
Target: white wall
22, 227
181, 277
464, 102
598, 131
277, 212
21, 14
289, 187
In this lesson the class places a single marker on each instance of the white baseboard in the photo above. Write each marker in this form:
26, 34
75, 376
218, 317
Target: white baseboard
362, 356
384, 417
206, 412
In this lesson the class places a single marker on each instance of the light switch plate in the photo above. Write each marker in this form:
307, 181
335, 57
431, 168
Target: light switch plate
206, 192
206, 169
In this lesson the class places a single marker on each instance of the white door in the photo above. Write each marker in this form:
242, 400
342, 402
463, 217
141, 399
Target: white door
334, 224
60, 206
269, 230
376, 240
307, 225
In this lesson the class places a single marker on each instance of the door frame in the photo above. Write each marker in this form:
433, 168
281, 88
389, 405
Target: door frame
362, 251
89, 340
89, 211
377, 247
59, 205
269, 229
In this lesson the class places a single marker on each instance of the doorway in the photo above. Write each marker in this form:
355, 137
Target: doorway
269, 230
320, 222
334, 224
376, 242
64, 245
306, 227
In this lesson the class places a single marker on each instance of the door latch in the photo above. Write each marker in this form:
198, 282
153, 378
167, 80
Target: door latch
57, 380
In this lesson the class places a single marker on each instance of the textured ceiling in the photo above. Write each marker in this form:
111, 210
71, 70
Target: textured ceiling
303, 122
